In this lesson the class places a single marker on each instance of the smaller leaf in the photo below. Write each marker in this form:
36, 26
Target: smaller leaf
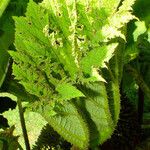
140, 29
67, 91
33, 129
117, 20
97, 57
110, 32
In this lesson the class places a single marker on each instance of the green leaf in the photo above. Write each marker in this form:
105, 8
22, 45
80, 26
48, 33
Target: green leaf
118, 20
62, 49
110, 5
140, 29
67, 91
14, 120
3, 5
89, 116
97, 58
33, 130
96, 105
69, 124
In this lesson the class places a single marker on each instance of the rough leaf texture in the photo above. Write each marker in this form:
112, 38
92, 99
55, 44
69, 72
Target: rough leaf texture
62, 45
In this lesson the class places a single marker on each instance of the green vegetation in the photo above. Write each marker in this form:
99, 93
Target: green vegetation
67, 64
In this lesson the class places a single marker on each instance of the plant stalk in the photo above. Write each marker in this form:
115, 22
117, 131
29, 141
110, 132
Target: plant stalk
22, 120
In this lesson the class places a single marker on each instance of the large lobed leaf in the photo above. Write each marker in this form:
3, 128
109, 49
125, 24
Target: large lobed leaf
62, 45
